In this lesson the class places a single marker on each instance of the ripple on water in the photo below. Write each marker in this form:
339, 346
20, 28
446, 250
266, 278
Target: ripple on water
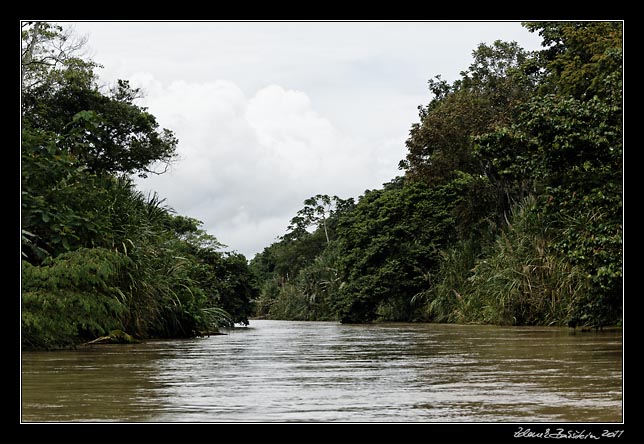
323, 371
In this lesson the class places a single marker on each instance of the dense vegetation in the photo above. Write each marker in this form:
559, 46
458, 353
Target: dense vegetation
97, 254
509, 210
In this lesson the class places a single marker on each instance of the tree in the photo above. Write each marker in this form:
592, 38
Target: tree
103, 131
484, 97
581, 59
316, 212
390, 243
46, 51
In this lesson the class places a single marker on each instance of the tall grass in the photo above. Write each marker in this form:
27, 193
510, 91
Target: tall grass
443, 297
511, 276
163, 299
520, 279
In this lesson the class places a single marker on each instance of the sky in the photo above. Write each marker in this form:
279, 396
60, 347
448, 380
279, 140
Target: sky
268, 114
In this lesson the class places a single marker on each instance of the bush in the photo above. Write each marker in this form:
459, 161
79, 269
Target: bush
71, 298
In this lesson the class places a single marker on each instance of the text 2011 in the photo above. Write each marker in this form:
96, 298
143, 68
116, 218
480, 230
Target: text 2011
612, 433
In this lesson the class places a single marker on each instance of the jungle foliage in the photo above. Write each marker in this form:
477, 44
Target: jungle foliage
97, 254
509, 211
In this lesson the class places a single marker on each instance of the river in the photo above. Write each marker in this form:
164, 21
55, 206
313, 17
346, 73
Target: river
282, 371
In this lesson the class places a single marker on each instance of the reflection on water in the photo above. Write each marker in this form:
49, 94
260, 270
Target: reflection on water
325, 371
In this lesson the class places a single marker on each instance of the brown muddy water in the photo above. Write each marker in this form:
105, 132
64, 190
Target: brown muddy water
283, 371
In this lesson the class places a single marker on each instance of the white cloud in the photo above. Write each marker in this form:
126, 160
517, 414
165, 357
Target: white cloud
307, 107
247, 164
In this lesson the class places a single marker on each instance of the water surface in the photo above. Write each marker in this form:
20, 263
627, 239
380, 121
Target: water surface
280, 371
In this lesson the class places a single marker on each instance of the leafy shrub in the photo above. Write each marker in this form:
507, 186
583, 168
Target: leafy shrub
71, 297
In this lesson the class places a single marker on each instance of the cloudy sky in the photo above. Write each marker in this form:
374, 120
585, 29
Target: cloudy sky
270, 113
